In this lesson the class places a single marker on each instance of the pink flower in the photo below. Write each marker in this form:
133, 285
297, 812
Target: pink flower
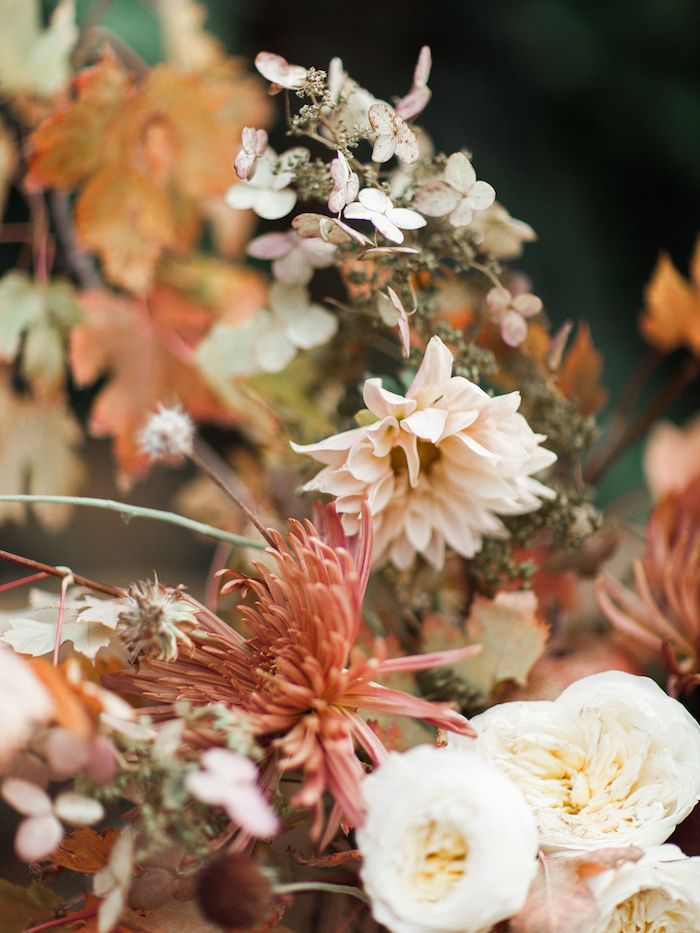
267, 190
227, 779
346, 184
253, 145
437, 466
375, 206
512, 312
300, 679
294, 258
459, 195
393, 135
417, 98
278, 71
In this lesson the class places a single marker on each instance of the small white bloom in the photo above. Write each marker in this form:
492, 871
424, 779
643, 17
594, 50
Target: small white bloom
500, 235
294, 258
229, 780
437, 466
112, 882
279, 72
459, 195
614, 761
658, 894
253, 145
375, 206
267, 191
448, 845
346, 184
512, 312
168, 434
393, 135
417, 98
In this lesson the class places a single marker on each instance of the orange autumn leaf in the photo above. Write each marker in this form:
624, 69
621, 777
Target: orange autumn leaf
671, 316
144, 155
84, 850
579, 374
146, 360
68, 709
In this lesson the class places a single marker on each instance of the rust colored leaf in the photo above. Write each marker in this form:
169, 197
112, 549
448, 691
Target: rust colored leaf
146, 361
325, 861
143, 155
579, 375
84, 850
671, 316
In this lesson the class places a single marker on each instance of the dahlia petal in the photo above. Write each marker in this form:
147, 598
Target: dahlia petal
427, 424
376, 697
364, 465
422, 662
435, 369
332, 449
382, 435
418, 528
382, 403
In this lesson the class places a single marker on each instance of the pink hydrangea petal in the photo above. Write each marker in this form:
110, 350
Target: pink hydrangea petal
271, 246
528, 305
25, 797
251, 811
436, 199
37, 837
320, 254
513, 328
462, 215
278, 70
78, 809
293, 269
498, 299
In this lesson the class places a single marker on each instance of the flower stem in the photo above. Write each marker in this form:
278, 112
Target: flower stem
129, 511
303, 886
48, 570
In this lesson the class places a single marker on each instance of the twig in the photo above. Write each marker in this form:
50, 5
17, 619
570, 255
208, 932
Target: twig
81, 263
32, 578
128, 511
49, 570
302, 887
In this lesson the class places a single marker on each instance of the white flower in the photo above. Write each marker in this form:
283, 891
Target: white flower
417, 98
613, 761
393, 135
112, 882
41, 832
448, 845
253, 145
499, 234
229, 780
351, 102
278, 71
375, 206
512, 312
168, 434
24, 704
459, 195
294, 258
346, 184
658, 894
436, 466
267, 191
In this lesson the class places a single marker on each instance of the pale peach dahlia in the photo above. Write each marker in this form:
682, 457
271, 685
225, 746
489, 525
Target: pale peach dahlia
436, 467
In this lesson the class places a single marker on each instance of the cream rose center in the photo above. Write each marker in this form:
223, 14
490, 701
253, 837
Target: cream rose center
652, 911
439, 861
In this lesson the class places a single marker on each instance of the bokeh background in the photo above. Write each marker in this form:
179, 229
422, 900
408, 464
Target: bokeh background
584, 115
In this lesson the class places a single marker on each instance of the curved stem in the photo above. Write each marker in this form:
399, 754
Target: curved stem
129, 511
303, 886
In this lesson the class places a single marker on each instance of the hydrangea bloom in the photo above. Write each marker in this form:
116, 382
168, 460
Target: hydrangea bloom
375, 206
294, 258
436, 466
267, 190
253, 145
448, 845
613, 761
346, 184
511, 312
279, 72
393, 135
458, 195
499, 234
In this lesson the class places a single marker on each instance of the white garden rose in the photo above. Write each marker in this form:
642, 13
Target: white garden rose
614, 761
658, 894
449, 844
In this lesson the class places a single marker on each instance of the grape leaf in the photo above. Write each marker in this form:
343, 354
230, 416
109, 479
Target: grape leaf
146, 361
33, 59
671, 316
37, 455
511, 636
144, 155
22, 907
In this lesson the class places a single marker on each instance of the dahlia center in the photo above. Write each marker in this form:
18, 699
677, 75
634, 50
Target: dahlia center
428, 455
440, 861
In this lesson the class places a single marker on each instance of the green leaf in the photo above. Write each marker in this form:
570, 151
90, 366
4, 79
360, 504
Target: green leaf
24, 907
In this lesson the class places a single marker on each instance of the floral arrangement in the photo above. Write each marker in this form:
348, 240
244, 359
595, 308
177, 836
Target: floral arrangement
413, 690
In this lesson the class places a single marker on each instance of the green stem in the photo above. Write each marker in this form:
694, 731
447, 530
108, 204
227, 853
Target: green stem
302, 886
129, 511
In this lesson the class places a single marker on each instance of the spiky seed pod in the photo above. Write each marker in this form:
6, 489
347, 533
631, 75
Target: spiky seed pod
154, 622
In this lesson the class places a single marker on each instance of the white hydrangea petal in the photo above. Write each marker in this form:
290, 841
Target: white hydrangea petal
387, 228
270, 246
513, 327
407, 147
275, 351
294, 268
462, 215
242, 196
26, 798
77, 809
481, 195
357, 211
37, 837
374, 200
436, 199
384, 148
313, 328
272, 205
382, 118
405, 218
278, 70
459, 172
528, 305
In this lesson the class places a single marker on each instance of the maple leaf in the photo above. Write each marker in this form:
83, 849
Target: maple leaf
88, 623
37, 318
560, 900
671, 317
579, 375
37, 455
511, 636
33, 59
146, 362
144, 155
84, 850
22, 907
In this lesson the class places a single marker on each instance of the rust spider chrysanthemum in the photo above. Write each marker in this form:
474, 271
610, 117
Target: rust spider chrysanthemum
300, 679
